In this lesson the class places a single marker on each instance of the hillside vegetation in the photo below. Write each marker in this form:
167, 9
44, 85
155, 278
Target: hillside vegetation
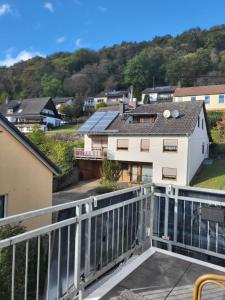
194, 57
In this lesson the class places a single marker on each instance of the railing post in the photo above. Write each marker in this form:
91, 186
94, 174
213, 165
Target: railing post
77, 254
175, 214
88, 240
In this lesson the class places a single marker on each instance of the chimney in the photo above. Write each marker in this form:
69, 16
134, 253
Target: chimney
122, 108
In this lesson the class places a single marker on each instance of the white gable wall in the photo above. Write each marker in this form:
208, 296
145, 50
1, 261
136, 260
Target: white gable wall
196, 140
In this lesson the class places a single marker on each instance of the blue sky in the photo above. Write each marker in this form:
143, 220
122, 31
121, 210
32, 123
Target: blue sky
38, 27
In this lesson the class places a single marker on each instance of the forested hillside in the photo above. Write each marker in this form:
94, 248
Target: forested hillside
194, 57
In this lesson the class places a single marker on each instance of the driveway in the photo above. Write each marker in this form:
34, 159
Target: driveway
81, 190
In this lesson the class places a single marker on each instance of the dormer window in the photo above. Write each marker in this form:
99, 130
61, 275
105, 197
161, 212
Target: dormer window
145, 119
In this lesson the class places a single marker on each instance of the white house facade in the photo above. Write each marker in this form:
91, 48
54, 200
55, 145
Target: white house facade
152, 147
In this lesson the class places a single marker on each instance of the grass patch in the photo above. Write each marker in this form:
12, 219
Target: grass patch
64, 129
212, 176
215, 135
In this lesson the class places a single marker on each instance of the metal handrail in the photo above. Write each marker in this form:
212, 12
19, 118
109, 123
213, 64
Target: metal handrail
206, 279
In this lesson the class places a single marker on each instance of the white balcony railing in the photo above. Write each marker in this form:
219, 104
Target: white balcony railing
91, 236
94, 154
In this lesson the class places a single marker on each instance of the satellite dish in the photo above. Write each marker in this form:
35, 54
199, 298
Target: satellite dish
175, 114
166, 114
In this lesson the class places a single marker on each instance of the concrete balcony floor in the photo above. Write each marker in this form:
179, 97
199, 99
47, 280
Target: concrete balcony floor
164, 276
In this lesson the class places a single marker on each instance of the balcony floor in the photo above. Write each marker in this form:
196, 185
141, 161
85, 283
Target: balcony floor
164, 277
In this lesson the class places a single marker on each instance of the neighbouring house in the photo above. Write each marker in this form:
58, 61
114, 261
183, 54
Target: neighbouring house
59, 102
26, 175
159, 93
161, 142
110, 98
27, 113
212, 95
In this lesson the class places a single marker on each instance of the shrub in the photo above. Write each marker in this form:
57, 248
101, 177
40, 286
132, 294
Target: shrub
214, 117
103, 189
6, 265
110, 171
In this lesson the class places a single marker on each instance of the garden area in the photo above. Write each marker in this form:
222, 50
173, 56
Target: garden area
212, 176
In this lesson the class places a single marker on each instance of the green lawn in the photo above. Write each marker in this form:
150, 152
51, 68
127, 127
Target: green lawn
212, 176
64, 129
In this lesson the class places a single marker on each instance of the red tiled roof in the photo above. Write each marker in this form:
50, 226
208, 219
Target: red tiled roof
200, 90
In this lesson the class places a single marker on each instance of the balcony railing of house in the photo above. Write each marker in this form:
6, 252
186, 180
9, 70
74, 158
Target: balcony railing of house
91, 236
94, 154
87, 239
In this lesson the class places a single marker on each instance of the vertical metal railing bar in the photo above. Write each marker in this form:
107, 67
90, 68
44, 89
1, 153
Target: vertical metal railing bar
13, 271
217, 236
77, 254
140, 205
58, 263
131, 227
175, 214
49, 264
118, 231
26, 269
159, 213
38, 267
128, 217
136, 222
199, 228
123, 229
107, 238
88, 240
113, 224
192, 219
101, 250
184, 223
95, 245
208, 235
166, 214
68, 258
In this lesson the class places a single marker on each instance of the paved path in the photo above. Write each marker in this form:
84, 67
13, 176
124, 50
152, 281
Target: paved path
81, 190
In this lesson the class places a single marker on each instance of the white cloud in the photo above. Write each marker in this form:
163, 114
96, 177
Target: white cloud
5, 9
61, 40
22, 56
49, 6
78, 43
102, 9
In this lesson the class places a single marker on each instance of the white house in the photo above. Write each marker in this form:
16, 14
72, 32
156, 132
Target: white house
110, 98
24, 114
160, 94
162, 142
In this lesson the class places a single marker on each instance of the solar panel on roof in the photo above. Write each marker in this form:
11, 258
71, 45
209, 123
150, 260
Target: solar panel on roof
105, 121
91, 122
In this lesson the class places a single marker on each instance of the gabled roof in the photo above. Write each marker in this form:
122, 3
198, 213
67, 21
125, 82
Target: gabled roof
183, 125
160, 89
26, 107
29, 145
200, 90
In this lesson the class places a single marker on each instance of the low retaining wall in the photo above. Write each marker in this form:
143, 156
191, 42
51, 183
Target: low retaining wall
62, 182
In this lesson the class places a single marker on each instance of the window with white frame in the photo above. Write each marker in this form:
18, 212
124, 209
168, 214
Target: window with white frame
145, 144
2, 206
169, 173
